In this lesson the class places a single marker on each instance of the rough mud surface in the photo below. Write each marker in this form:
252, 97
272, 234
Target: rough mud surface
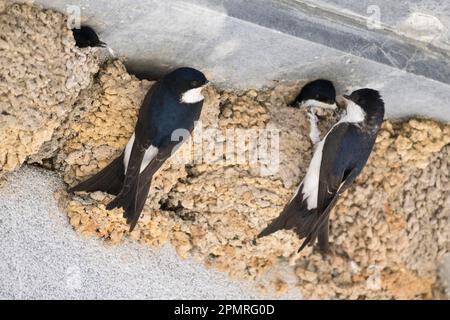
388, 232
42, 75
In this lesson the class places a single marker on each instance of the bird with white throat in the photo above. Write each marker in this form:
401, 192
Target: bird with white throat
337, 160
313, 95
173, 103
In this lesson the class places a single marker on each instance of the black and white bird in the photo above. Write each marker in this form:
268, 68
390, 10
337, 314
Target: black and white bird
85, 36
337, 161
316, 94
173, 103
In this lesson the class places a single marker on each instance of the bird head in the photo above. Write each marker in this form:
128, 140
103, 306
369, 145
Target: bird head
187, 83
86, 37
369, 100
317, 93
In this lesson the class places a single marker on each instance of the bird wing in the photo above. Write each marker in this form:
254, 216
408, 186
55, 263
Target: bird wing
145, 180
339, 166
109, 179
148, 134
295, 215
126, 198
134, 206
344, 154
343, 157
144, 136
112, 179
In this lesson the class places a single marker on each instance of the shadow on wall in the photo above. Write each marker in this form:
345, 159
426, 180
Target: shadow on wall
191, 27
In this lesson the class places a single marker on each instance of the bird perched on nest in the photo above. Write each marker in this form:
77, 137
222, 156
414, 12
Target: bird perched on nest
316, 94
85, 36
174, 102
338, 159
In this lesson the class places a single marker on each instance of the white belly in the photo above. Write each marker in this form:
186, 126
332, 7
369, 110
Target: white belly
311, 181
150, 153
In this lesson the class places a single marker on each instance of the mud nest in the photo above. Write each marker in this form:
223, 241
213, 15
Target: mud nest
389, 232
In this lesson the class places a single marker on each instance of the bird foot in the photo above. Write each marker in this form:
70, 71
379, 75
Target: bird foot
314, 132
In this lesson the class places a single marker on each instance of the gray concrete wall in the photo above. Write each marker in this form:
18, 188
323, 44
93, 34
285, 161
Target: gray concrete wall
41, 257
432, 18
249, 44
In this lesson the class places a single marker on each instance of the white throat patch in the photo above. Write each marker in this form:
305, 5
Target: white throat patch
192, 96
317, 104
354, 113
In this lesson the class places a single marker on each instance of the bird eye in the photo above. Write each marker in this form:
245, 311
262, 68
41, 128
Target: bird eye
194, 84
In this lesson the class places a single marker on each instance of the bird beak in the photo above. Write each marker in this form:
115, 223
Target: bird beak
102, 44
207, 84
346, 96
341, 102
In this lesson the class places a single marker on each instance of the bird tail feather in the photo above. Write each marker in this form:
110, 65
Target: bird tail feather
322, 236
133, 202
320, 227
306, 223
141, 197
132, 207
109, 179
295, 217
